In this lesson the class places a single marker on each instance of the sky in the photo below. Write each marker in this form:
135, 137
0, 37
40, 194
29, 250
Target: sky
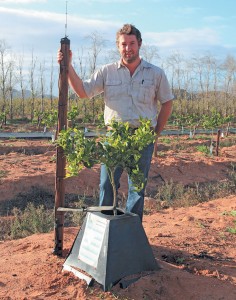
190, 27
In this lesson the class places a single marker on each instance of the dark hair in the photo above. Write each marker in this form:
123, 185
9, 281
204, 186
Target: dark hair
128, 29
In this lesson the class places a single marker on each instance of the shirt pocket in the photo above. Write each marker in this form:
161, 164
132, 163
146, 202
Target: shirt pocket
113, 90
146, 92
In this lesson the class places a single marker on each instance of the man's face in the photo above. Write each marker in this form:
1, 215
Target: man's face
128, 47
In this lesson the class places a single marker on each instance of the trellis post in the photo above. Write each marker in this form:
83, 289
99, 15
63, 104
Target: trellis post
61, 160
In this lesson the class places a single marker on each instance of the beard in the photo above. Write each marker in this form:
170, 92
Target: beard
130, 58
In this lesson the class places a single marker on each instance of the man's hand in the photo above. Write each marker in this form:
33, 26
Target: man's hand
74, 80
60, 56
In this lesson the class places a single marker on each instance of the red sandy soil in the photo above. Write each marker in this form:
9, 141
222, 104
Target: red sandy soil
196, 253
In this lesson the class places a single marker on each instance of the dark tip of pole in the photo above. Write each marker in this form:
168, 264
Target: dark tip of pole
65, 40
57, 252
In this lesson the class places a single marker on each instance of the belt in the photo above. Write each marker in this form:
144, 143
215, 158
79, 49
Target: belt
131, 128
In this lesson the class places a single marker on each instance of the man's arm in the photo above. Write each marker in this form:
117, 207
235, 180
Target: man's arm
163, 116
162, 119
76, 83
74, 80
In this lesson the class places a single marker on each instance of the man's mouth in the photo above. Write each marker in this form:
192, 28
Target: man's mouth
128, 54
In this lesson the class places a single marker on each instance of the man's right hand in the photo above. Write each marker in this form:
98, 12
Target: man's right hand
74, 80
60, 56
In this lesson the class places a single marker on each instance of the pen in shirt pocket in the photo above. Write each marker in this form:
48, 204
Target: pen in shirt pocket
142, 81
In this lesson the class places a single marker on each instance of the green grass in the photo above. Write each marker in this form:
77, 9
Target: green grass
203, 148
231, 213
228, 142
33, 219
165, 140
173, 194
202, 137
33, 212
161, 154
232, 229
3, 173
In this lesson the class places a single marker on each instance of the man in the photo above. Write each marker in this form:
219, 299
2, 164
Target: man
131, 89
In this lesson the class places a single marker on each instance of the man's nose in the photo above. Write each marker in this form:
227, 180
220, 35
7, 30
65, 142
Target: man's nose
127, 48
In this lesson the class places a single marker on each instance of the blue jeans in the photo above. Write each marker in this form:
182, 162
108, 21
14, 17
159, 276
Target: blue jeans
135, 201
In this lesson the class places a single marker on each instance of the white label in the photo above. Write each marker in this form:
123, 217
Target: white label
91, 243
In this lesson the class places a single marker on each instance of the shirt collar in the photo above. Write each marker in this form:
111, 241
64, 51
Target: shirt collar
143, 64
120, 64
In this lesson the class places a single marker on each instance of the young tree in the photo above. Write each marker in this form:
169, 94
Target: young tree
121, 147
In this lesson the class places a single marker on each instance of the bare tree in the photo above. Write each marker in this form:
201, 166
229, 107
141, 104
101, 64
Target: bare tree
11, 85
32, 84
149, 53
207, 67
198, 69
175, 63
22, 85
234, 99
229, 68
51, 83
215, 78
112, 55
42, 84
81, 66
97, 43
4, 72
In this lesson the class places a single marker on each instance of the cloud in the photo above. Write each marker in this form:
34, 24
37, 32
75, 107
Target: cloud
42, 30
188, 10
21, 1
188, 41
32, 15
185, 37
213, 19
105, 1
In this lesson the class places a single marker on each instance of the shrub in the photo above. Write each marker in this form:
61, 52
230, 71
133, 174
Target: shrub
32, 220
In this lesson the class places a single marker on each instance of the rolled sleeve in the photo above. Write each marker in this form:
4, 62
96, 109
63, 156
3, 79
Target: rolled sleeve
95, 85
164, 93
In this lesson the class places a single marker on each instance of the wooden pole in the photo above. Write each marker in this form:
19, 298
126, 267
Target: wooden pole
61, 160
218, 142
